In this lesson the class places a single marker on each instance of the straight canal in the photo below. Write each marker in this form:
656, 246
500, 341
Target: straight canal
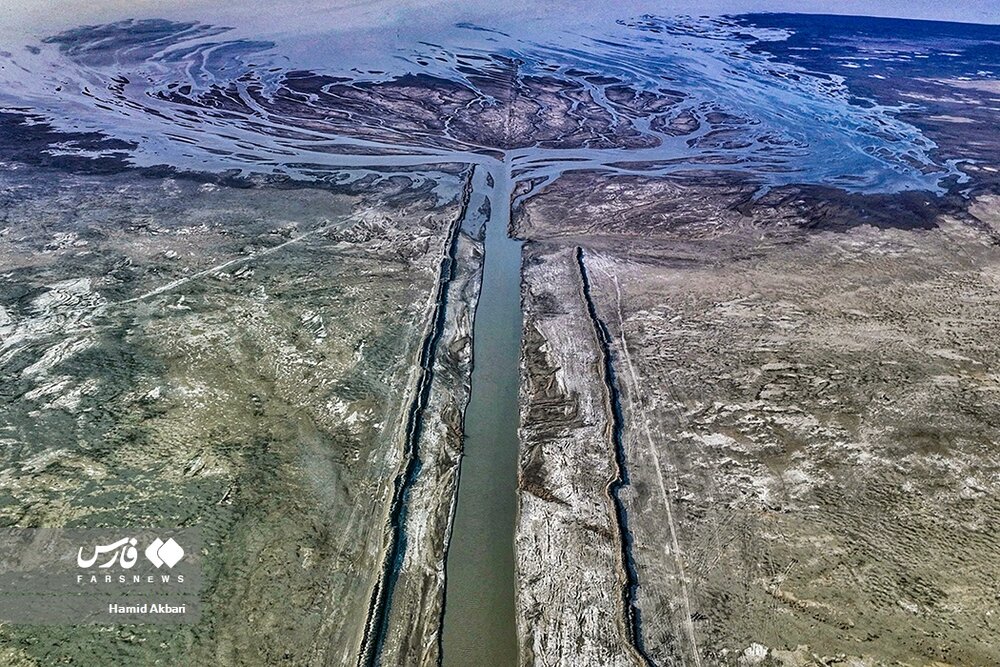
479, 626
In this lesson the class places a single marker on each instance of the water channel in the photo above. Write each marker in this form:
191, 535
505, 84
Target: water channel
479, 624
804, 129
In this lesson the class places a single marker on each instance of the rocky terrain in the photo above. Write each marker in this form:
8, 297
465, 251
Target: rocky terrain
808, 432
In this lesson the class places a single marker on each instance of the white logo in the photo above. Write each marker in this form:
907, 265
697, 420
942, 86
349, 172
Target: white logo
159, 553
123, 551
166, 553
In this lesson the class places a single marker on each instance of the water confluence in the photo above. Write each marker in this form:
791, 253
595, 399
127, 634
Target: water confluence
192, 96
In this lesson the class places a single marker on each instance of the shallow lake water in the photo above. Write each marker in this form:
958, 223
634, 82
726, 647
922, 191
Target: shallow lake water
207, 89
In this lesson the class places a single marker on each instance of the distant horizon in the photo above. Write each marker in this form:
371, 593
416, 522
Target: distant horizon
888, 17
361, 15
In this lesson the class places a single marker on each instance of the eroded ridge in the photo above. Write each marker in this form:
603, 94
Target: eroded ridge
631, 616
377, 625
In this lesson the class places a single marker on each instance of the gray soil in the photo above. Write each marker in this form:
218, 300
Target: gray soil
242, 360
808, 427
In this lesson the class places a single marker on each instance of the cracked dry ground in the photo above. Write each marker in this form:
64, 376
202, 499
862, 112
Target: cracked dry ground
241, 359
810, 424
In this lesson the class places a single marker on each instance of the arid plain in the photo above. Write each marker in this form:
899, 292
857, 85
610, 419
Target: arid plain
808, 428
687, 325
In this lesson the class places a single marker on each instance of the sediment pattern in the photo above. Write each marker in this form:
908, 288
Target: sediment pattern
758, 286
